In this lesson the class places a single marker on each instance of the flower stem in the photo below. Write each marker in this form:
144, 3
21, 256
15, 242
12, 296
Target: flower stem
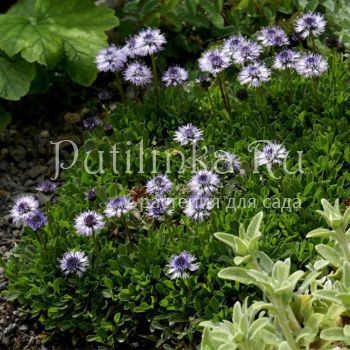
118, 83
154, 68
223, 93
260, 100
211, 102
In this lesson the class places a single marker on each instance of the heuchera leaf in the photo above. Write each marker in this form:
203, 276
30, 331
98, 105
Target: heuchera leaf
15, 78
52, 31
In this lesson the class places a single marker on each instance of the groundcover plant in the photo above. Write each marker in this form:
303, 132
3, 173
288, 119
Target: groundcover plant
125, 243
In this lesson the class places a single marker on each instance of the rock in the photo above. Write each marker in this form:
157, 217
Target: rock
45, 134
18, 153
71, 137
36, 170
72, 118
4, 152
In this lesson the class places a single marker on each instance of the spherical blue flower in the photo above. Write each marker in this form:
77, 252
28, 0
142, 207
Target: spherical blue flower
214, 61
138, 74
23, 207
175, 76
91, 123
130, 47
204, 182
159, 185
119, 206
47, 187
310, 24
37, 221
247, 51
286, 59
188, 134
74, 262
88, 223
181, 265
232, 44
254, 74
91, 195
111, 59
273, 36
148, 42
311, 65
231, 161
272, 153
198, 207
159, 207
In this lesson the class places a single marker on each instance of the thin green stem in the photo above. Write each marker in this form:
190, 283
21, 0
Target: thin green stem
283, 322
118, 83
292, 319
222, 93
224, 85
313, 43
316, 94
260, 100
343, 243
154, 68
211, 102
48, 218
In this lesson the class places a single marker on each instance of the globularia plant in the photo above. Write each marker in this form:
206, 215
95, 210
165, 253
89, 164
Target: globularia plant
298, 310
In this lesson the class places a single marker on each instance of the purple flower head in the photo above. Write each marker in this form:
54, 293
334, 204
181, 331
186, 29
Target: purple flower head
23, 207
47, 187
273, 36
181, 265
119, 206
130, 47
310, 24
231, 161
91, 123
111, 59
91, 195
88, 223
198, 207
232, 44
159, 185
188, 134
204, 182
37, 221
214, 61
272, 153
159, 207
74, 262
247, 51
175, 76
148, 42
311, 65
254, 74
108, 129
138, 74
286, 59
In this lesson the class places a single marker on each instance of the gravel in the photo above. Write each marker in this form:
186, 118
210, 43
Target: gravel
26, 159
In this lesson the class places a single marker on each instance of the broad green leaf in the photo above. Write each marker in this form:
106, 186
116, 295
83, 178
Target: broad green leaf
34, 41
333, 334
49, 31
15, 78
319, 232
254, 226
329, 254
236, 274
256, 327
